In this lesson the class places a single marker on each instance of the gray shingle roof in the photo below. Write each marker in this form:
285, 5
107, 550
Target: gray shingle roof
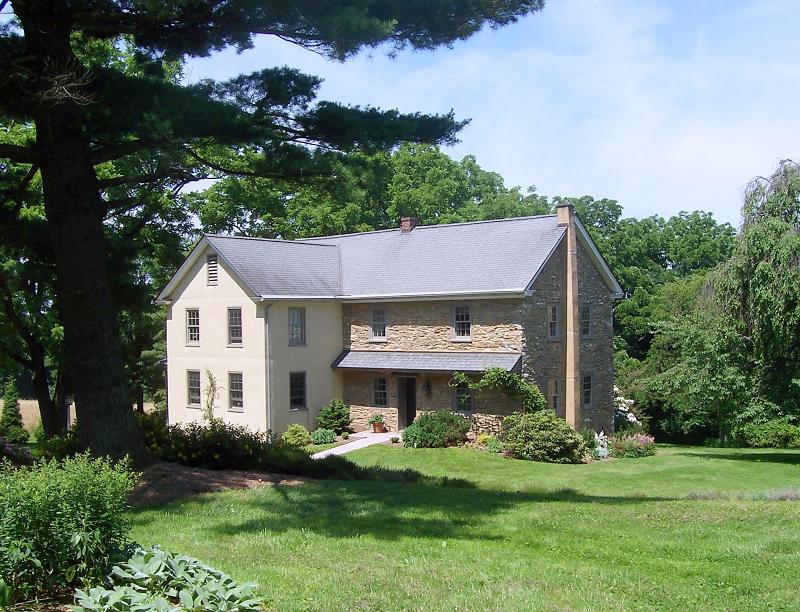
426, 361
481, 257
281, 267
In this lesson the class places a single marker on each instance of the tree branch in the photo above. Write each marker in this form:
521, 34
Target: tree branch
173, 173
112, 152
15, 153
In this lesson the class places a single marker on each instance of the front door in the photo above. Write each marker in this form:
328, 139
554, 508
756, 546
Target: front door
407, 399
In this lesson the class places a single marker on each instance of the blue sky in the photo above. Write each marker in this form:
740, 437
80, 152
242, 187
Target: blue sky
664, 106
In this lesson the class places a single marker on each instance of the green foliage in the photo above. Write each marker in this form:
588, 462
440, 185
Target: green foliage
588, 436
11, 427
335, 416
481, 438
778, 433
323, 436
59, 447
510, 383
436, 430
493, 445
61, 522
153, 579
296, 435
542, 436
632, 446
376, 418
395, 439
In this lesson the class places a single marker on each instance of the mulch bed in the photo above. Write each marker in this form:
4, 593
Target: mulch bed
163, 482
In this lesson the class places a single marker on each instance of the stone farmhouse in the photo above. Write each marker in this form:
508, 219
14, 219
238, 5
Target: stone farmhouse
269, 331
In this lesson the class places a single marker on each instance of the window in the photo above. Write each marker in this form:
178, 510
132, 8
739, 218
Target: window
378, 324
552, 399
235, 392
586, 320
193, 387
211, 270
380, 392
297, 390
297, 326
234, 325
552, 321
462, 322
192, 326
463, 397
587, 390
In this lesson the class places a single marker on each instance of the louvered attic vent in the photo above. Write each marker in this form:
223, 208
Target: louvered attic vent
211, 270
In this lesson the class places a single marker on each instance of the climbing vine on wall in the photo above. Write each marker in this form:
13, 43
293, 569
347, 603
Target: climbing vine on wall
513, 385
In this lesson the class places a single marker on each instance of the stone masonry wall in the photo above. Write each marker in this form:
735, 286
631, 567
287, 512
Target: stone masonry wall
428, 326
357, 391
597, 350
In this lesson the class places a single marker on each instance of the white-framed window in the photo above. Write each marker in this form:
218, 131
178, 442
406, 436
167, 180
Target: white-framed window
586, 389
193, 388
586, 319
552, 321
235, 326
380, 391
377, 324
297, 390
212, 270
462, 396
235, 392
193, 326
552, 394
462, 322
297, 326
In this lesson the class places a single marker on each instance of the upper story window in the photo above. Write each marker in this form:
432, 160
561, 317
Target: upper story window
193, 387
586, 390
234, 326
462, 322
377, 324
235, 392
193, 326
297, 326
297, 390
552, 321
212, 273
463, 398
380, 392
586, 319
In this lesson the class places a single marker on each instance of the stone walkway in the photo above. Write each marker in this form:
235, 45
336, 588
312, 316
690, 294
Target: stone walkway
363, 439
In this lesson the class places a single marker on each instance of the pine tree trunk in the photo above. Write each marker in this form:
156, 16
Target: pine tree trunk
75, 222
54, 416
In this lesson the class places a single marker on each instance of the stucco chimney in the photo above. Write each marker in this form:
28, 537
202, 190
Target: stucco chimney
407, 224
572, 374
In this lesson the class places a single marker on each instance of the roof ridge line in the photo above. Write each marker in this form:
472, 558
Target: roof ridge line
259, 239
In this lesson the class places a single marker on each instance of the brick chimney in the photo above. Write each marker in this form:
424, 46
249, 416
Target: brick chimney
566, 218
407, 224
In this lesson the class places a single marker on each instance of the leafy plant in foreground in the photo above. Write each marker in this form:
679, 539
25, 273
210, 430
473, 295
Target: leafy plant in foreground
296, 435
436, 430
542, 436
335, 416
323, 436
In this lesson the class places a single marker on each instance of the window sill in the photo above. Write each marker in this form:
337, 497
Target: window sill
236, 410
192, 345
193, 407
461, 339
378, 340
298, 409
291, 344
239, 345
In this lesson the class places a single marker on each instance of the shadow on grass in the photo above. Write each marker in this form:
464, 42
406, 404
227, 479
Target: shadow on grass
383, 510
756, 456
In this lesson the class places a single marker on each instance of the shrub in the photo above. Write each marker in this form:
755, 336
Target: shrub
632, 445
395, 439
481, 438
61, 522
296, 435
153, 579
376, 418
345, 435
18, 454
59, 447
11, 427
542, 436
323, 436
436, 430
335, 416
493, 445
589, 437
778, 433
511, 384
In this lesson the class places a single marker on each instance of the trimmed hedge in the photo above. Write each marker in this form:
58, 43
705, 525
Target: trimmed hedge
436, 430
542, 436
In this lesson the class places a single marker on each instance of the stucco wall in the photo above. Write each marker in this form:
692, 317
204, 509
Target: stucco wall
213, 353
323, 345
428, 326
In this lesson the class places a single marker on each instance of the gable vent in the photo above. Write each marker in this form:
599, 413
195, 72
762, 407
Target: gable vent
211, 270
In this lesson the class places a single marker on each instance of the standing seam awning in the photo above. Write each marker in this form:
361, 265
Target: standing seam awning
409, 361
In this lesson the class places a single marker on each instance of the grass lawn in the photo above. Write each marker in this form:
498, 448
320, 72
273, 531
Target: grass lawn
689, 528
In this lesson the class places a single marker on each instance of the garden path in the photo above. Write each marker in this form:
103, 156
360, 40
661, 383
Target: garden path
363, 439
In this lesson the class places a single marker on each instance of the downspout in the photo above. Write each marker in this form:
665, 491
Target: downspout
566, 218
268, 364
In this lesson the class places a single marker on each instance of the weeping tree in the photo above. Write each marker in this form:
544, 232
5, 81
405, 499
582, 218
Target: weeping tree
85, 119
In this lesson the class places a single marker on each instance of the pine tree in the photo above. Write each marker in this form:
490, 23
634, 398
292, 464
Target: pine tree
11, 428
